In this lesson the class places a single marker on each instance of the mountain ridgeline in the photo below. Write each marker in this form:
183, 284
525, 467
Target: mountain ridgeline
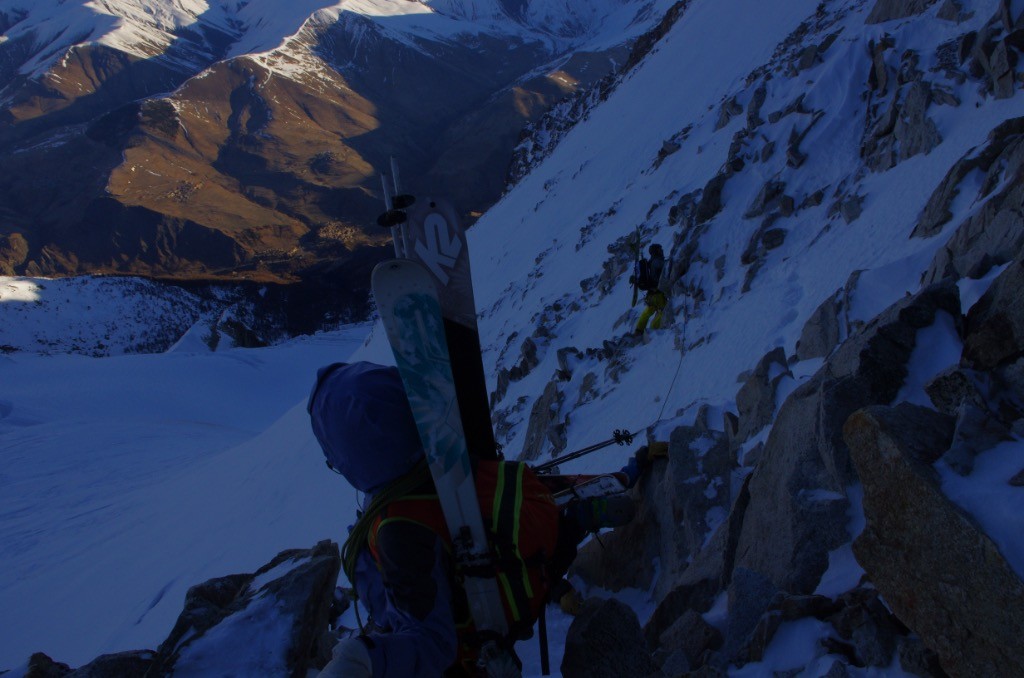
245, 139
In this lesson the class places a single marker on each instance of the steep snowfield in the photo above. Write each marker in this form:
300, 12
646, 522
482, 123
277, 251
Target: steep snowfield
536, 246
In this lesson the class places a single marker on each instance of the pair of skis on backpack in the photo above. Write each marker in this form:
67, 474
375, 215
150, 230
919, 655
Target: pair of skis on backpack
429, 313
425, 301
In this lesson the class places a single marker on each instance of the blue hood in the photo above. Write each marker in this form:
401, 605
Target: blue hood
361, 417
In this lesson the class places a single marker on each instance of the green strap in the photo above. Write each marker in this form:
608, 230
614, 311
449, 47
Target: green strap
358, 537
508, 502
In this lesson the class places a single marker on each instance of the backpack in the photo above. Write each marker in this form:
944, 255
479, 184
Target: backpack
521, 520
645, 279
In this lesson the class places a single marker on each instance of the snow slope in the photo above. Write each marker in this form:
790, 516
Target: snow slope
94, 316
555, 229
126, 480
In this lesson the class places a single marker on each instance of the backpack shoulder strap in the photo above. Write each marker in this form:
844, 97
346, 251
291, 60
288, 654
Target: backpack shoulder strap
420, 509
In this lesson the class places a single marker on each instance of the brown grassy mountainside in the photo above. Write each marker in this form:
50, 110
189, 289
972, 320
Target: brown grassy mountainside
259, 166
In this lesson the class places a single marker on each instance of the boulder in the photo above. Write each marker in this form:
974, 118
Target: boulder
41, 665
1011, 378
809, 57
865, 623
711, 199
992, 235
545, 426
272, 622
277, 615
954, 386
761, 637
756, 398
994, 332
668, 147
878, 77
692, 636
605, 641
528, 359
821, 331
674, 500
794, 156
766, 199
503, 380
797, 510
903, 129
949, 11
754, 107
695, 597
729, 110
850, 208
750, 595
976, 431
1004, 148
914, 130
1002, 62
942, 576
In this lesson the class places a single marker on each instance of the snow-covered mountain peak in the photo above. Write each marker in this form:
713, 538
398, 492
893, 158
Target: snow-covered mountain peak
148, 28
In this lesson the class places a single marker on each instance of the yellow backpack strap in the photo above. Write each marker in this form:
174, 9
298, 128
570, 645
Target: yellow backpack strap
513, 576
359, 536
419, 509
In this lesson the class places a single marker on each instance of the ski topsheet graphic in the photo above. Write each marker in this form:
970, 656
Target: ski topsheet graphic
433, 235
435, 238
410, 310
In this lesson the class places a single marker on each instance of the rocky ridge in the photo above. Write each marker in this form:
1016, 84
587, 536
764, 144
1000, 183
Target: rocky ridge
739, 528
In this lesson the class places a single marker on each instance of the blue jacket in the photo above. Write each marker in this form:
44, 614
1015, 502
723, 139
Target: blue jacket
417, 610
360, 415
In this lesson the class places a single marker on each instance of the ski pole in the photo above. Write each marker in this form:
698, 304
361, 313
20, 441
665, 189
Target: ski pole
619, 437
402, 227
387, 209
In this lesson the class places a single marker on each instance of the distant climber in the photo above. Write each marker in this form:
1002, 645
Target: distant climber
397, 556
646, 278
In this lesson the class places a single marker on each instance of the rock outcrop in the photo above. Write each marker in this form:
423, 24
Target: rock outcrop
272, 622
605, 641
774, 532
940, 574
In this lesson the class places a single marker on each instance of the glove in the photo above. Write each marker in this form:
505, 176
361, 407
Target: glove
350, 659
642, 460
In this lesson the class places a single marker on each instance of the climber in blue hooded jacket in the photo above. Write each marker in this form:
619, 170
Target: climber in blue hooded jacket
405, 577
370, 438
